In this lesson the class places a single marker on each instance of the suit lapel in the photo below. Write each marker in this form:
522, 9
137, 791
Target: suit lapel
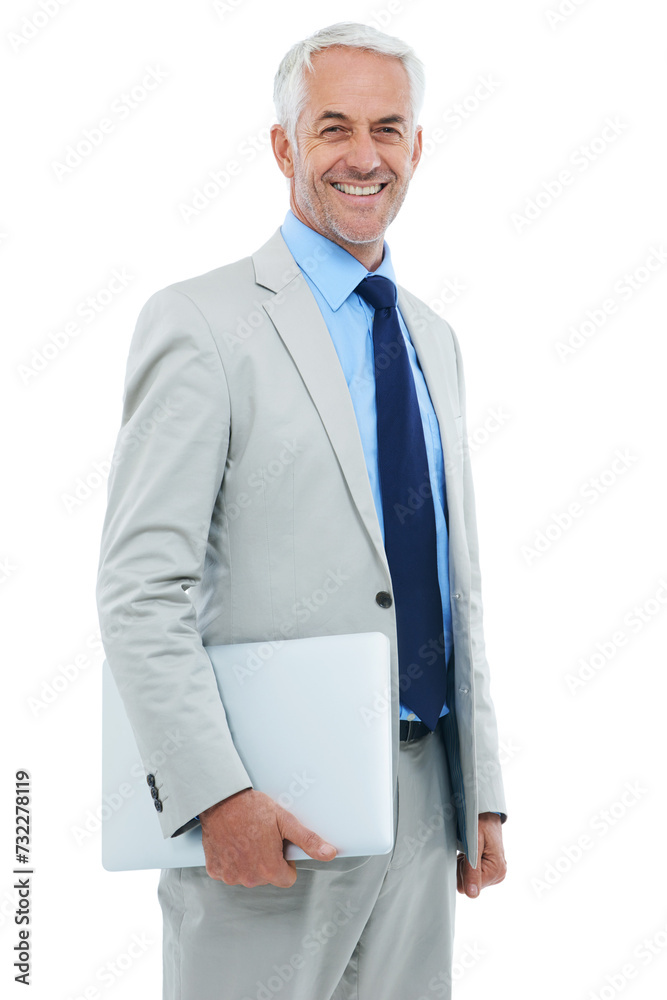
300, 324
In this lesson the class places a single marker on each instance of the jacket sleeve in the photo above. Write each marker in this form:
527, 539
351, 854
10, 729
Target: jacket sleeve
167, 469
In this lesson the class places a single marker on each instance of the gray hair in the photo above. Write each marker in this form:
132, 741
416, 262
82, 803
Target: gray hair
290, 89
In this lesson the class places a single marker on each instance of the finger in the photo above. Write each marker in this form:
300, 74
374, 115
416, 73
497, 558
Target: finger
309, 841
459, 873
283, 875
494, 868
471, 879
473, 883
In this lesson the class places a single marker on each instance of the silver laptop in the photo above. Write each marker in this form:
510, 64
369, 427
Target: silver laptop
332, 768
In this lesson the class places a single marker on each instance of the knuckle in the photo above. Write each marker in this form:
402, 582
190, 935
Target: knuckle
311, 840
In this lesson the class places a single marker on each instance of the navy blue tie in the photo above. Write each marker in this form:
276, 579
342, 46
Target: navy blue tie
408, 513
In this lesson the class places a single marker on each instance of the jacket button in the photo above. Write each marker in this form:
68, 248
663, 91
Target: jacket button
383, 599
154, 792
158, 805
150, 778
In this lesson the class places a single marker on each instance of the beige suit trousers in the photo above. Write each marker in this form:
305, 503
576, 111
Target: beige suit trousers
382, 931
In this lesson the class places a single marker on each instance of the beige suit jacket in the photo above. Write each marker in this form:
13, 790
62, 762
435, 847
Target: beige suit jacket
239, 509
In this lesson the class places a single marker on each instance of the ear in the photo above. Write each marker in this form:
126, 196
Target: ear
417, 147
282, 150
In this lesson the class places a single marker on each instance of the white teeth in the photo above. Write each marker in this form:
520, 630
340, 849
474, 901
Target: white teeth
350, 189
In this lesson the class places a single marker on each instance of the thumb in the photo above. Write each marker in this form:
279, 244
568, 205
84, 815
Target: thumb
469, 879
294, 831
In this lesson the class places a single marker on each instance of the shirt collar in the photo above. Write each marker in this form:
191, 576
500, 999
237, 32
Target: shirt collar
334, 271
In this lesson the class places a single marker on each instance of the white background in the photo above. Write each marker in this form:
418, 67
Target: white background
555, 927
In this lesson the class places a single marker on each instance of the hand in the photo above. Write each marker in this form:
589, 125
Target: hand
243, 841
491, 863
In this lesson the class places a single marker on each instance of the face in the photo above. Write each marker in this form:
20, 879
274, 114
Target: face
356, 150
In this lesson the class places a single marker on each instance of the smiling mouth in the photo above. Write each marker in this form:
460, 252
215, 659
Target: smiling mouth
355, 189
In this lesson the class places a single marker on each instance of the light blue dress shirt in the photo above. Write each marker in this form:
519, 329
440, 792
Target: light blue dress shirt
332, 274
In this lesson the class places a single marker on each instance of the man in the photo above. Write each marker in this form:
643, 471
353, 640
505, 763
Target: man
291, 429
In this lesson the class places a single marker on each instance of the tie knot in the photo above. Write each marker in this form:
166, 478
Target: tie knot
379, 292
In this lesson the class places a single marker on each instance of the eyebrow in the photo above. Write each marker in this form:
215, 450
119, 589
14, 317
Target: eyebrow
339, 116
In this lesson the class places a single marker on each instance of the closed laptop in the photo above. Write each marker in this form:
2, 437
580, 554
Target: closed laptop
311, 721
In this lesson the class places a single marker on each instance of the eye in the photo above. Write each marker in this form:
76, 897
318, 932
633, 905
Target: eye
388, 128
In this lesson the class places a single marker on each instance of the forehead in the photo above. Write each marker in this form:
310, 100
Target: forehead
359, 83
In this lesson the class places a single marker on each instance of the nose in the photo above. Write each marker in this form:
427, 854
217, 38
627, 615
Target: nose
362, 154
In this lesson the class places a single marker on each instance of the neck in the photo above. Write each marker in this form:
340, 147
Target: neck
369, 254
